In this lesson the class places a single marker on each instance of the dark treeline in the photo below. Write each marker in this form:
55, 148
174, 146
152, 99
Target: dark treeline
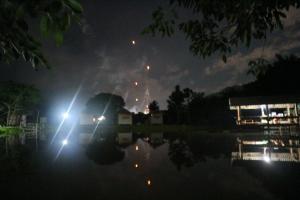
277, 78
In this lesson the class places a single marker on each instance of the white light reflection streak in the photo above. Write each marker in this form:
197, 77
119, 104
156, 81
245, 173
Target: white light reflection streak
69, 108
66, 138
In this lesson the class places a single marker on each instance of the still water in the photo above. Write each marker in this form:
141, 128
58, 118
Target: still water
162, 166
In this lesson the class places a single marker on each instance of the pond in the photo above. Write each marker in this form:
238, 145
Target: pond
162, 166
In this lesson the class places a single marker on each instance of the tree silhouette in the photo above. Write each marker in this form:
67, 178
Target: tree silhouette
106, 104
153, 106
16, 99
176, 104
216, 26
17, 33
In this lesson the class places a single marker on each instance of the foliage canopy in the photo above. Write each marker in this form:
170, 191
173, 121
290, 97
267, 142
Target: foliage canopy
214, 26
17, 19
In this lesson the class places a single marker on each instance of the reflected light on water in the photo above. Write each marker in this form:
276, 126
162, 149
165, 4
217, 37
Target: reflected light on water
267, 159
149, 183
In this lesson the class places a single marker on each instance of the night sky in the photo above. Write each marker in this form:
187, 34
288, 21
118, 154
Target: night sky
99, 55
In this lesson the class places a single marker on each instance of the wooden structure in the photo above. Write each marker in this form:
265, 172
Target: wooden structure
273, 149
124, 138
270, 111
124, 117
156, 118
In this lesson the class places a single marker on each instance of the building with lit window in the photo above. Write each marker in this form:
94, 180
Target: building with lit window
271, 111
124, 117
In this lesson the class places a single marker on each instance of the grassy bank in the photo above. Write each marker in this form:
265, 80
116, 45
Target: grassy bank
8, 131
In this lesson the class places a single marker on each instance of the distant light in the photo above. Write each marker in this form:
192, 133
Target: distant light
136, 99
101, 118
94, 119
65, 142
136, 83
65, 115
133, 42
136, 165
136, 147
148, 67
267, 159
149, 182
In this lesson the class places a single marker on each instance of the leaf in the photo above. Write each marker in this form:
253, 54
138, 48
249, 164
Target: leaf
76, 7
59, 38
66, 22
44, 25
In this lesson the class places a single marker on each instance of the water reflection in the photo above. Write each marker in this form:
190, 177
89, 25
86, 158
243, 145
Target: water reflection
166, 166
104, 151
270, 148
185, 150
223, 162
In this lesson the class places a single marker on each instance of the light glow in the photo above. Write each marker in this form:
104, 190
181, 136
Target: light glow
101, 118
136, 147
267, 159
148, 67
65, 142
133, 42
65, 115
149, 182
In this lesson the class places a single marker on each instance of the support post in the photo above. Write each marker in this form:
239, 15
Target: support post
268, 116
240, 149
36, 131
239, 115
289, 113
291, 148
297, 114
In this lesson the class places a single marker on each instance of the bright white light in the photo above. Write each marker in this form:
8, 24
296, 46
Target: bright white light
65, 142
136, 99
267, 159
136, 83
148, 67
149, 182
65, 115
101, 118
133, 42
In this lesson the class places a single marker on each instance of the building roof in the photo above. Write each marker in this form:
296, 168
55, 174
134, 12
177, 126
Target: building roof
124, 111
260, 100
